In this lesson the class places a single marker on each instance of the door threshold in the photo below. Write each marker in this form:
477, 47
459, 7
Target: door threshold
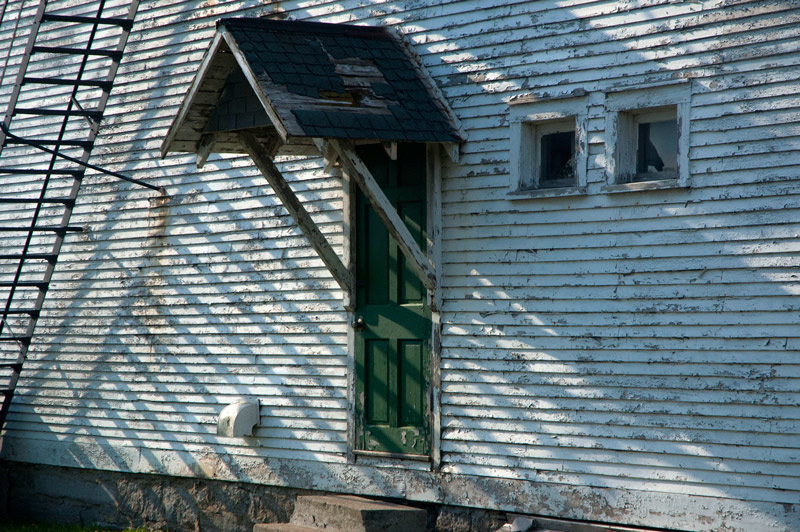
393, 456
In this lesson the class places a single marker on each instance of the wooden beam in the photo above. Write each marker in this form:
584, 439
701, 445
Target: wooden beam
453, 151
349, 259
205, 66
330, 156
260, 155
391, 149
358, 171
349, 235
205, 148
434, 178
434, 195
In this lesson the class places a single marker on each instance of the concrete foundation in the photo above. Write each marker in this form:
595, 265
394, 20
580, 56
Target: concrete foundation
90, 497
346, 513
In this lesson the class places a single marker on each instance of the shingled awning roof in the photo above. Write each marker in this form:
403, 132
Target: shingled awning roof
304, 80
270, 86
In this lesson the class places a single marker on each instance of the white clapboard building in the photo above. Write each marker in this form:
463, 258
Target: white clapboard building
529, 256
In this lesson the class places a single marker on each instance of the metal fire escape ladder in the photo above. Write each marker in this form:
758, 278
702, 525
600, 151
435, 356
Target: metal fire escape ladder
64, 80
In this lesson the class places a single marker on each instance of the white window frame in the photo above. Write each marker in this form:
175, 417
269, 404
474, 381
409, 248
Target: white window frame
530, 119
624, 110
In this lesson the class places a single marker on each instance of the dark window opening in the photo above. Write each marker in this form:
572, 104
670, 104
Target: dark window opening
657, 151
557, 152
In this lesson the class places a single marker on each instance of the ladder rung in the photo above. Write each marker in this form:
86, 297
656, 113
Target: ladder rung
65, 201
49, 257
6, 391
24, 284
85, 144
31, 311
57, 112
16, 366
22, 339
106, 85
122, 22
42, 171
113, 54
54, 228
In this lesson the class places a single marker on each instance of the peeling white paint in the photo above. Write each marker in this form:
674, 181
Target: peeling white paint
628, 357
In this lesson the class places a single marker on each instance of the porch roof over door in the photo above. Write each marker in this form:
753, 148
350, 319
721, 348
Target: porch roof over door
304, 80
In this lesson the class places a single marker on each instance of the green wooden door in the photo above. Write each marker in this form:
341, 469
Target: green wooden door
392, 349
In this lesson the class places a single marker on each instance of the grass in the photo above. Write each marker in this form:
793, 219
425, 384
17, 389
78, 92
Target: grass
47, 527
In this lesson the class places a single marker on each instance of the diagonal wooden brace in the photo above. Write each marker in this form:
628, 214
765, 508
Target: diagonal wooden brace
261, 156
358, 171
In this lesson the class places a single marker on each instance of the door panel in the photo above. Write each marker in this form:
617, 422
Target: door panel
411, 388
411, 289
392, 350
377, 242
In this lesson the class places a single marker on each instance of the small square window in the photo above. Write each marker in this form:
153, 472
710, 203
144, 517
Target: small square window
647, 143
548, 146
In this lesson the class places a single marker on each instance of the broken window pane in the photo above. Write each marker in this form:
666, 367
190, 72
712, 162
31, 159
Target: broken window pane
557, 151
657, 150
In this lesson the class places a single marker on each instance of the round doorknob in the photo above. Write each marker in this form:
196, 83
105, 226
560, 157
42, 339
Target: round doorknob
359, 324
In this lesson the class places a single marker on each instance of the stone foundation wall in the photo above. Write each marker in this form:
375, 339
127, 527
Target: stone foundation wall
118, 500
82, 496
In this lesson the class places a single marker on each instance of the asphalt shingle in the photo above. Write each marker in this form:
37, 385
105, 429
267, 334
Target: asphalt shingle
348, 64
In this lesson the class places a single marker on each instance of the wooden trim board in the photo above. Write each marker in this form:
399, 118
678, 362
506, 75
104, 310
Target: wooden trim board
358, 171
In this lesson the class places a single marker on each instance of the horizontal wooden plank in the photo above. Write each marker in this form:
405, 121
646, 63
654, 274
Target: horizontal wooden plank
644, 341
631, 475
543, 457
624, 412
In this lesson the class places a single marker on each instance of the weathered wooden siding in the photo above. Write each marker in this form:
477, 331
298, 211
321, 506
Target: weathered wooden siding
630, 357
638, 340
167, 309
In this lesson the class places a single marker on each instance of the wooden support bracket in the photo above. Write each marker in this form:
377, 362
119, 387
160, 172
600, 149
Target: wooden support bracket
391, 149
261, 156
358, 171
453, 151
330, 156
205, 148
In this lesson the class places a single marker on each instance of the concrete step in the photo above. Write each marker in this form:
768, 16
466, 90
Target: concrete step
282, 527
348, 513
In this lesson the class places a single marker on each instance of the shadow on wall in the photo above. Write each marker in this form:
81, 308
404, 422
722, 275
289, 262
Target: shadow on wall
604, 359
637, 342
155, 328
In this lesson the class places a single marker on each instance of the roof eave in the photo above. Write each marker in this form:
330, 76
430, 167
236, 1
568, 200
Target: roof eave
224, 55
188, 101
435, 92
277, 123
221, 38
